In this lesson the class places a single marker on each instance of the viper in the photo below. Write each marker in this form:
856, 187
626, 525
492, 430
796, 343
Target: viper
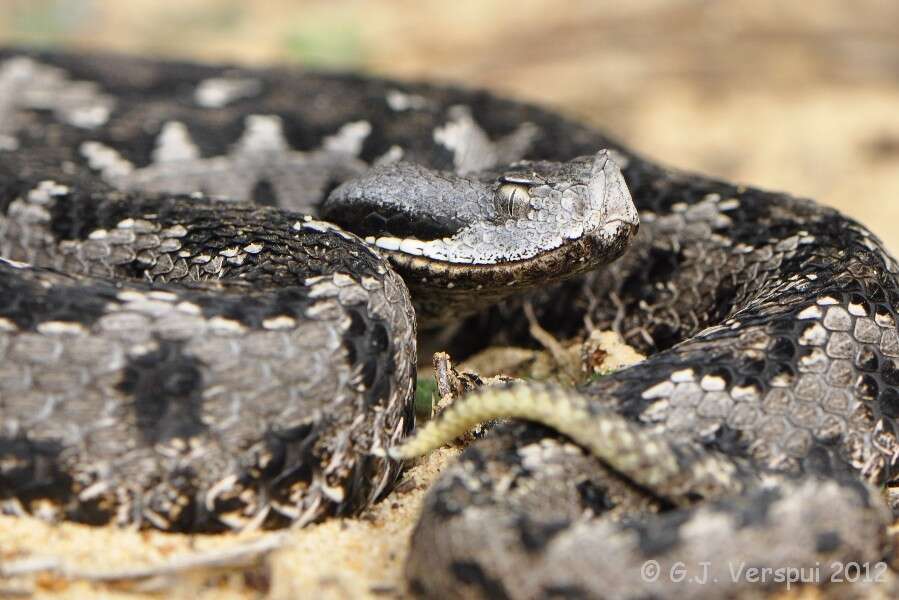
214, 279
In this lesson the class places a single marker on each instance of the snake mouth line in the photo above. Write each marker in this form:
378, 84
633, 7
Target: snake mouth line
412, 247
631, 227
443, 290
579, 254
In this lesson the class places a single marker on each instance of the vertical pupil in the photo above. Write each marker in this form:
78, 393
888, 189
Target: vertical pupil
512, 198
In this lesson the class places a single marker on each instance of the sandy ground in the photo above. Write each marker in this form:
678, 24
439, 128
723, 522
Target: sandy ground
340, 558
794, 96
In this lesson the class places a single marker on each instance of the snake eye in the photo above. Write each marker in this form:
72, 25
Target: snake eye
512, 200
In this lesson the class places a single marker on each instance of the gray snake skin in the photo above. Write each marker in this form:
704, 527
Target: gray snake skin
193, 340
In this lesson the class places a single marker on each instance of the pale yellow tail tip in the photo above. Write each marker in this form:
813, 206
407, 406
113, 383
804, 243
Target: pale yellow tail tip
400, 453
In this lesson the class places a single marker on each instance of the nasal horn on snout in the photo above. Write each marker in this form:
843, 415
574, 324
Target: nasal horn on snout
608, 188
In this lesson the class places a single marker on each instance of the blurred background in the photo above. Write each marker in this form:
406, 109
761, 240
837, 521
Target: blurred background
797, 96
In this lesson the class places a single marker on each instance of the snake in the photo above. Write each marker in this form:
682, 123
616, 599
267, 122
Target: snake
214, 279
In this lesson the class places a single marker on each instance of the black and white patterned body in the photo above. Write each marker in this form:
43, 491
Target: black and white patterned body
213, 358
771, 324
254, 393
276, 351
203, 364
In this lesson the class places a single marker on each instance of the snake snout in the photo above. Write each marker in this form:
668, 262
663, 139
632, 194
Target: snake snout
609, 191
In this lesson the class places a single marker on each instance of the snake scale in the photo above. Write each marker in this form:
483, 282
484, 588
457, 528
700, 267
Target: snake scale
213, 279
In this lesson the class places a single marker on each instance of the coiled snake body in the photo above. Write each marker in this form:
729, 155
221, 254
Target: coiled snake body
187, 349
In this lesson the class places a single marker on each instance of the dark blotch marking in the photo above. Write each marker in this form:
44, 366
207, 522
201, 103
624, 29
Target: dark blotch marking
167, 387
594, 496
827, 541
565, 592
474, 456
782, 349
80, 212
889, 402
889, 372
867, 360
471, 573
28, 303
11, 186
417, 588
755, 512
369, 351
729, 441
449, 501
866, 388
293, 458
656, 537
824, 460
30, 469
535, 535
264, 193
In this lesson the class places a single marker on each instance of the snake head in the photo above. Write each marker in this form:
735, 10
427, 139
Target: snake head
495, 233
